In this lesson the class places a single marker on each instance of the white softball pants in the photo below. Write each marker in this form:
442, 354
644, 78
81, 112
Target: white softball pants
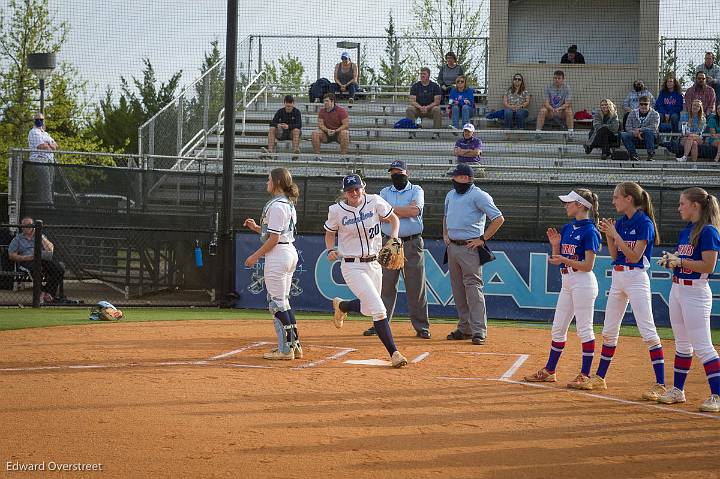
280, 263
631, 286
690, 308
577, 299
365, 282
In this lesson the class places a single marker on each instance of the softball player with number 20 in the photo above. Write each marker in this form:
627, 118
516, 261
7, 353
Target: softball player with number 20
630, 241
574, 250
690, 295
356, 223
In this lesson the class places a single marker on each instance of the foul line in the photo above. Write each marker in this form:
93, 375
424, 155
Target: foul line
337, 355
420, 357
236, 351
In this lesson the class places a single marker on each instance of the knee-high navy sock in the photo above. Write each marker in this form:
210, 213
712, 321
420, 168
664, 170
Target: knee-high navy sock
606, 356
382, 328
291, 313
350, 306
556, 349
682, 368
657, 358
284, 318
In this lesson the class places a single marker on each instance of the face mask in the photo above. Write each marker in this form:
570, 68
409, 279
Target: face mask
638, 88
399, 181
39, 123
461, 187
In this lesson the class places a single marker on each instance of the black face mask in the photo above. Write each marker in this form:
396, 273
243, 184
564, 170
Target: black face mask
638, 88
399, 181
461, 187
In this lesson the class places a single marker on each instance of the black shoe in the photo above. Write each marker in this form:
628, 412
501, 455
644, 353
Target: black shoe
423, 333
588, 149
458, 336
635, 158
605, 155
370, 331
651, 155
479, 340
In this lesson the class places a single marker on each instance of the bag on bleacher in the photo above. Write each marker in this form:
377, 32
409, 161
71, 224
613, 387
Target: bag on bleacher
495, 115
583, 115
620, 155
319, 89
405, 123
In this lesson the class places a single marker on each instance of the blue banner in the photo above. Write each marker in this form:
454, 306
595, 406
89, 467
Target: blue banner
519, 284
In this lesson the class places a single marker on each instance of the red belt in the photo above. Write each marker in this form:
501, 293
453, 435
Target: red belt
686, 282
620, 267
567, 270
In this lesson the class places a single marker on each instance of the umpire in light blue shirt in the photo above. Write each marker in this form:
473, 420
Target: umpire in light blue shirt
467, 210
408, 201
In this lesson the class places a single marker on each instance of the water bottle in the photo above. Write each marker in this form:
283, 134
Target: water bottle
683, 122
418, 121
198, 255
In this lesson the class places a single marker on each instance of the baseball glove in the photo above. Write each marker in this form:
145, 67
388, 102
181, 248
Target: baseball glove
669, 260
104, 311
392, 255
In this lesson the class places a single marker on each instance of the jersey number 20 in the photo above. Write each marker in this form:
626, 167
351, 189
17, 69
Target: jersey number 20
374, 231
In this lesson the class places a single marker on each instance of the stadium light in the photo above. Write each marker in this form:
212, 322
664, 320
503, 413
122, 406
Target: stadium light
42, 65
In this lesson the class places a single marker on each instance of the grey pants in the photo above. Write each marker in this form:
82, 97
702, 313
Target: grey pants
466, 281
414, 276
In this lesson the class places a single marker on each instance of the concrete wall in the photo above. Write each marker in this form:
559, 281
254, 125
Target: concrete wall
618, 46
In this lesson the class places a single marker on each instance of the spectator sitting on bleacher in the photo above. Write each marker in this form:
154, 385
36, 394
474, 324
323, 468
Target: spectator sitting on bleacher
425, 97
346, 77
285, 125
692, 136
669, 103
333, 125
712, 74
449, 72
22, 251
700, 91
572, 56
468, 149
604, 130
632, 100
641, 125
462, 102
516, 101
557, 103
711, 147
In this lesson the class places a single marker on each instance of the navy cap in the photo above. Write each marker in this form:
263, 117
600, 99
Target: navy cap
398, 164
462, 169
352, 182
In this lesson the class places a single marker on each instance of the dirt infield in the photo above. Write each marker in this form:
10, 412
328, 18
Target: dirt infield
193, 399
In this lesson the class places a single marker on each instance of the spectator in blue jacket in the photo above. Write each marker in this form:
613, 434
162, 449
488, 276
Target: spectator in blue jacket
462, 102
669, 103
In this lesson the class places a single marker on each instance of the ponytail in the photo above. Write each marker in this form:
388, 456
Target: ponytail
282, 180
593, 199
709, 211
650, 212
641, 199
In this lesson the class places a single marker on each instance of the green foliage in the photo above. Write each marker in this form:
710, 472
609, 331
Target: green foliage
668, 65
449, 25
691, 67
395, 66
289, 76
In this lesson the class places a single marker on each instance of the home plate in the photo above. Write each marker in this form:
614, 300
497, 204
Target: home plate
368, 362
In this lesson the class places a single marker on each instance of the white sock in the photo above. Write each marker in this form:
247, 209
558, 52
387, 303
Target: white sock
570, 130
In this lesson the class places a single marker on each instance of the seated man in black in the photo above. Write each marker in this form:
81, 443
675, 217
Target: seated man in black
21, 251
572, 56
285, 125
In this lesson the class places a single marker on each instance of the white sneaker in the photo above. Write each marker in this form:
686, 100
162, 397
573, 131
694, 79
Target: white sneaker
654, 393
711, 404
298, 350
672, 396
338, 316
682, 159
398, 360
279, 355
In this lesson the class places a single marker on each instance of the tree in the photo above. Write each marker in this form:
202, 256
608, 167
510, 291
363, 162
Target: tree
395, 67
668, 65
26, 26
448, 25
289, 77
209, 99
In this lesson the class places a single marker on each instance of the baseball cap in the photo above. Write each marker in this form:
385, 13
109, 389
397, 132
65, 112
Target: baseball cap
399, 164
352, 182
469, 126
572, 197
345, 55
462, 169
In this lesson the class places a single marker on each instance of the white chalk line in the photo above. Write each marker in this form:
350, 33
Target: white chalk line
420, 357
339, 354
236, 351
516, 365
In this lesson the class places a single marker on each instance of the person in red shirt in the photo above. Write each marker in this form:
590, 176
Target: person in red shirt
333, 125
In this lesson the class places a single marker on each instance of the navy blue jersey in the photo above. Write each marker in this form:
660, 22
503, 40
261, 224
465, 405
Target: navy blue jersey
638, 228
577, 238
708, 240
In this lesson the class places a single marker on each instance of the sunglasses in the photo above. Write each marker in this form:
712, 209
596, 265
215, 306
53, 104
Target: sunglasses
517, 79
644, 104
460, 81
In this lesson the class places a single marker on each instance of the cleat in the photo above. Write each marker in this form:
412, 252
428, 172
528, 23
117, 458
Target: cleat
338, 315
595, 383
542, 376
279, 355
298, 351
398, 360
654, 393
671, 396
577, 381
370, 331
711, 404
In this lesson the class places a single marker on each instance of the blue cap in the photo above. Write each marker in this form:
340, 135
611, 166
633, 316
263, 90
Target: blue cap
462, 169
344, 55
352, 182
398, 164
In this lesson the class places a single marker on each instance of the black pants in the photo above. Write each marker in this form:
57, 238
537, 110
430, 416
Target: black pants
53, 274
604, 139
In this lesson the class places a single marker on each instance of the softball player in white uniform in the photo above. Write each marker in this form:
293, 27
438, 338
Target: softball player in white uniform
690, 295
277, 232
630, 240
574, 250
356, 223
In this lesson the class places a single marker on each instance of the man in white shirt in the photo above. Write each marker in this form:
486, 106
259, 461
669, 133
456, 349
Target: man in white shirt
43, 146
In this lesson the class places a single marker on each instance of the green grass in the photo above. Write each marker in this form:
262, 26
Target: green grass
22, 318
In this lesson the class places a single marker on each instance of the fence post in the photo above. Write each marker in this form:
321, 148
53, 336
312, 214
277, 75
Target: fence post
485, 73
675, 57
37, 264
318, 58
151, 137
260, 63
206, 102
179, 139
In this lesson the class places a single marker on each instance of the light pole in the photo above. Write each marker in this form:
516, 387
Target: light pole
42, 65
